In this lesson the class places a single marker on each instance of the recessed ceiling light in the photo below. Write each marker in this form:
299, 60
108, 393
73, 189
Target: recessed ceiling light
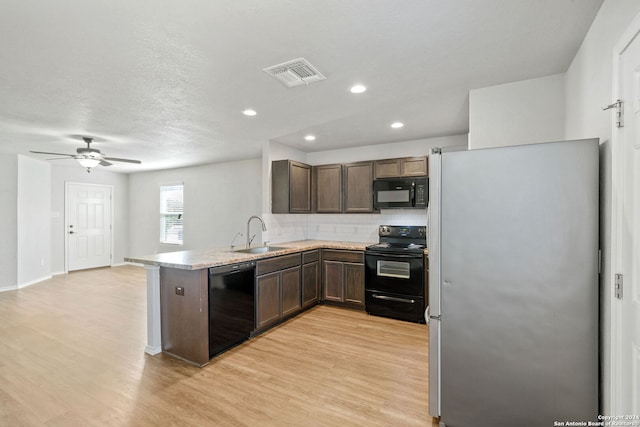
310, 138
397, 125
358, 88
249, 112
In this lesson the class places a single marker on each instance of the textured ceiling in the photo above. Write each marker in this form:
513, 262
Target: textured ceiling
166, 81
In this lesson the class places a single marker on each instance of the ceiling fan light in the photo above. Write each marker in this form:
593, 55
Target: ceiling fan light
89, 163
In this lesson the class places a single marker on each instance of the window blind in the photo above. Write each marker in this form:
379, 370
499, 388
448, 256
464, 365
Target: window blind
171, 210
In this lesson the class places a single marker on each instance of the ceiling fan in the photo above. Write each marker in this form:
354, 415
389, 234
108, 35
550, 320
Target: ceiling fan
88, 157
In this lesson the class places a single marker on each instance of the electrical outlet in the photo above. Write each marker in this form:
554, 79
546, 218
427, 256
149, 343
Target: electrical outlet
180, 290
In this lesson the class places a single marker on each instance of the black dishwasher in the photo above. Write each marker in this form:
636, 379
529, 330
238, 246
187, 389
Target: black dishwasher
231, 305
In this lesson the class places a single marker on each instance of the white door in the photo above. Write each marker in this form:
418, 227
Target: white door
88, 226
627, 309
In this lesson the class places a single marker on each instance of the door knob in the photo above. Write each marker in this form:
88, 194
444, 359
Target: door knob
71, 232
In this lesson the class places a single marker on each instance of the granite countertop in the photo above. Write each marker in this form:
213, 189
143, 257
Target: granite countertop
204, 258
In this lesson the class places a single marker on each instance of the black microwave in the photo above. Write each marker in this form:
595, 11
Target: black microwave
396, 193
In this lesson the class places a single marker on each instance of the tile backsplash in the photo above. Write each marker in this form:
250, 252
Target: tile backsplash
343, 227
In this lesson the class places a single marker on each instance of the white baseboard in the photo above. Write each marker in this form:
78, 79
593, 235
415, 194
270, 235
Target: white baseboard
135, 264
57, 273
24, 285
152, 350
33, 282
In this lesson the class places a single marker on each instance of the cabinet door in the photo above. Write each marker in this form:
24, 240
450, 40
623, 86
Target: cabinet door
413, 166
333, 281
290, 283
299, 187
310, 284
389, 168
268, 297
328, 186
354, 283
358, 187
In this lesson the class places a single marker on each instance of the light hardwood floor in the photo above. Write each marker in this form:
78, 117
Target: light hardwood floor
72, 354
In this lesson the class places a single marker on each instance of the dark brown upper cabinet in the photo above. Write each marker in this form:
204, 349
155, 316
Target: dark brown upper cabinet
328, 188
402, 167
358, 187
290, 187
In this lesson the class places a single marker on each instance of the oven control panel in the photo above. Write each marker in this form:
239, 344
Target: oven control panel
414, 231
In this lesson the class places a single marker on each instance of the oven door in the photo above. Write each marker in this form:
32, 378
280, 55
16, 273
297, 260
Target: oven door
400, 274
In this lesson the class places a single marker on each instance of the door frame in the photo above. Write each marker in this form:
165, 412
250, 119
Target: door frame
66, 219
615, 341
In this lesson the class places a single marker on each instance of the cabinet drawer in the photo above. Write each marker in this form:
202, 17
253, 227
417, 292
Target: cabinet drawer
343, 255
310, 256
279, 263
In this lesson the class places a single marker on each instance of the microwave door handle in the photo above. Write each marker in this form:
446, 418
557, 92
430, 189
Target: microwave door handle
412, 194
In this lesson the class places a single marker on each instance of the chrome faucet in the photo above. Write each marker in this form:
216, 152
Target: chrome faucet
264, 228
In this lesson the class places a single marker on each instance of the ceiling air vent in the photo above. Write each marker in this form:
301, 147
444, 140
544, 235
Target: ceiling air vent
295, 73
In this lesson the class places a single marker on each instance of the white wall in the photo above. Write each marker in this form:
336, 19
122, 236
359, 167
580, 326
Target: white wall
523, 112
418, 147
73, 172
588, 87
345, 227
9, 217
34, 221
218, 201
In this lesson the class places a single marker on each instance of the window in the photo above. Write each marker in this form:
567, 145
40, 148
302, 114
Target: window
171, 206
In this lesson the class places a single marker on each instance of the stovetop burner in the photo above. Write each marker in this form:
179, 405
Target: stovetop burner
400, 238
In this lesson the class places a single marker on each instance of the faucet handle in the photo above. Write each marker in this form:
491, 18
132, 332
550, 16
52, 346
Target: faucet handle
265, 243
234, 239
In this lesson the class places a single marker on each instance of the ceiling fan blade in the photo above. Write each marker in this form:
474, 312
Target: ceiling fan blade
60, 158
115, 159
54, 154
105, 163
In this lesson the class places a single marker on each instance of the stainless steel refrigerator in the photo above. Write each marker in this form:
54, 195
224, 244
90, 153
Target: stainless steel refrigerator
513, 285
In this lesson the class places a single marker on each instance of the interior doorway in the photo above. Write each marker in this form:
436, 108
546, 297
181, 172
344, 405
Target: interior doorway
88, 225
625, 289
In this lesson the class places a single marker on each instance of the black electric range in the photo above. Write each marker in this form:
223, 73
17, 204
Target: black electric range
395, 280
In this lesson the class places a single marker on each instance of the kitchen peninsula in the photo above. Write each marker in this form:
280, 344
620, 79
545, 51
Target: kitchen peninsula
288, 276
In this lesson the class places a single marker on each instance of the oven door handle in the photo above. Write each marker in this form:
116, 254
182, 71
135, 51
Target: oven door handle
388, 255
394, 299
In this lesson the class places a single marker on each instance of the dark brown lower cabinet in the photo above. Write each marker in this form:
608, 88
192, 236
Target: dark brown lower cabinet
268, 299
354, 283
278, 291
343, 277
184, 308
310, 278
290, 292
333, 279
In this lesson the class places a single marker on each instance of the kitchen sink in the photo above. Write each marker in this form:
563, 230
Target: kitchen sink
261, 249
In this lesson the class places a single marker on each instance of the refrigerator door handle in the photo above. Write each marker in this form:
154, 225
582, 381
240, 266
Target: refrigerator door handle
428, 317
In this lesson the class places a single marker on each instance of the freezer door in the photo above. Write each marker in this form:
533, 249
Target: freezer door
519, 274
433, 244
